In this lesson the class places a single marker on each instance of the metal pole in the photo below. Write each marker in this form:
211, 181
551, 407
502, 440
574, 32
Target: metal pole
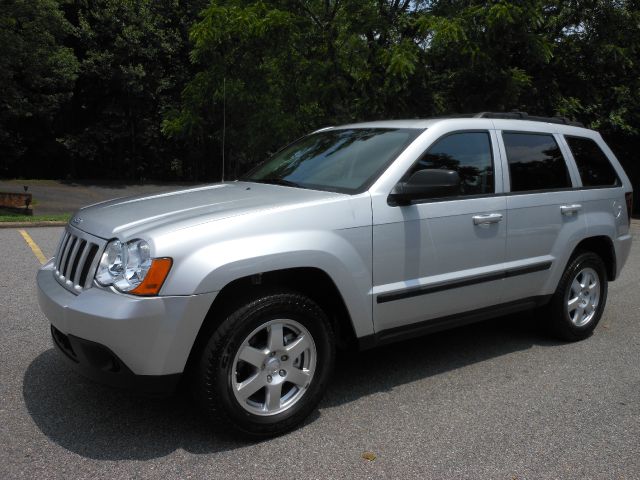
224, 119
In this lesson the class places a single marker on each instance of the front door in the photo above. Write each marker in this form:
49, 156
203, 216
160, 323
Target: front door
442, 256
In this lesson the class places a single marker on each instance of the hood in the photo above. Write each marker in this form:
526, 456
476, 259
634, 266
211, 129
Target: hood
127, 216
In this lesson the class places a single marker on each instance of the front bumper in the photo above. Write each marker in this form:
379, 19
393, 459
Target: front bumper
100, 364
149, 336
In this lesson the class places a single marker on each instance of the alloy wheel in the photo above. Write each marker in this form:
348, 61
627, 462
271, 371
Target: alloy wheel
583, 297
273, 367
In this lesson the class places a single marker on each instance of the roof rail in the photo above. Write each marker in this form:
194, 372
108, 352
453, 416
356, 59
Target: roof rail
525, 116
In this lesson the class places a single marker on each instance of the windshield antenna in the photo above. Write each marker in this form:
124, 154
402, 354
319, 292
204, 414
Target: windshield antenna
224, 119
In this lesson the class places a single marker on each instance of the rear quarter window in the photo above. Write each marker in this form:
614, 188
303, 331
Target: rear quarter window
535, 162
593, 164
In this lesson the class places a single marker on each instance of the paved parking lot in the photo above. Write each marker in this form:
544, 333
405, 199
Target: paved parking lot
56, 196
494, 400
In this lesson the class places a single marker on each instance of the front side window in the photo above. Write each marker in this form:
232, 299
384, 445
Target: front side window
535, 162
593, 165
344, 160
469, 154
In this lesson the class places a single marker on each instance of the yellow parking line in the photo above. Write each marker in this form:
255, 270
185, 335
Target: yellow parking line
34, 246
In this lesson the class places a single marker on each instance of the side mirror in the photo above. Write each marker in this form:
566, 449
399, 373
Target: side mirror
423, 184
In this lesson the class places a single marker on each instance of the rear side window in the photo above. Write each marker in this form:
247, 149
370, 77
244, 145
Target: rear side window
535, 162
593, 165
469, 154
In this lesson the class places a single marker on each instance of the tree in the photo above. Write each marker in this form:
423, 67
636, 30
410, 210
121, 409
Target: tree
271, 70
288, 66
133, 65
37, 74
140, 88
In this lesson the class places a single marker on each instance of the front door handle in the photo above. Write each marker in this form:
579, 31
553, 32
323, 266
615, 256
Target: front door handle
487, 219
570, 209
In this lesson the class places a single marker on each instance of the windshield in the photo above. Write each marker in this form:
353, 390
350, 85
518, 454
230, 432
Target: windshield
336, 160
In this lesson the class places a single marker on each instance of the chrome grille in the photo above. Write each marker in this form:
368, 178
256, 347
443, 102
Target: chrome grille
77, 259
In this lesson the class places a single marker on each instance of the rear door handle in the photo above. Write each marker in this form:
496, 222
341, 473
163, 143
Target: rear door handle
570, 209
487, 219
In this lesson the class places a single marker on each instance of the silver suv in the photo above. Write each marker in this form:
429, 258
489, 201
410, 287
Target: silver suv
352, 236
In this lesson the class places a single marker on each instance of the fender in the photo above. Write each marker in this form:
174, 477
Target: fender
344, 265
277, 240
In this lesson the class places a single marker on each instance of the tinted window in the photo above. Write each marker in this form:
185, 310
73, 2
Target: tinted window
338, 160
467, 153
593, 165
535, 162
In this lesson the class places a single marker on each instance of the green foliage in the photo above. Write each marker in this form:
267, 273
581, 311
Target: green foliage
16, 217
290, 66
37, 74
141, 88
133, 65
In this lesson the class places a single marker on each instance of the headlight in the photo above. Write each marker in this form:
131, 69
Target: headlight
136, 265
126, 265
111, 264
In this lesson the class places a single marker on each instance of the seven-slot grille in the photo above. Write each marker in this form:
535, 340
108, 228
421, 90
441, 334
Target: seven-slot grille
77, 259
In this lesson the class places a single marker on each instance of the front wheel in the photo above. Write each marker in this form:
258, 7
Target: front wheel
579, 301
266, 366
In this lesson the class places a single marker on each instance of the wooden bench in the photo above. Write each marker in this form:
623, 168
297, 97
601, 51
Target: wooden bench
16, 202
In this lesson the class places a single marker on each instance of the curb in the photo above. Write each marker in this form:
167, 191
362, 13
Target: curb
32, 224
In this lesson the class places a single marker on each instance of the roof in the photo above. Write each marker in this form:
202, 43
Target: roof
410, 123
427, 122
517, 117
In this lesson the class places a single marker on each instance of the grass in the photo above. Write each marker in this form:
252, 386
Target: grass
16, 217
30, 181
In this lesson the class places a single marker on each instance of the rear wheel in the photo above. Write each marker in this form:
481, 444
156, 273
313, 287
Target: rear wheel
266, 366
579, 301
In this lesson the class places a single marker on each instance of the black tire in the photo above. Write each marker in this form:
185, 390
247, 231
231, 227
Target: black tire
559, 319
213, 381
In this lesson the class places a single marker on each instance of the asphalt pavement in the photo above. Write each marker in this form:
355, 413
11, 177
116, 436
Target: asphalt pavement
495, 400
58, 196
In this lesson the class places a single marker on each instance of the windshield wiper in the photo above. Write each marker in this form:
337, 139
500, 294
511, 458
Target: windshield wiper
277, 181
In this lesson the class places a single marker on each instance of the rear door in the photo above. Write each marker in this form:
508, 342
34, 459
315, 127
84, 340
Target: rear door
544, 212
